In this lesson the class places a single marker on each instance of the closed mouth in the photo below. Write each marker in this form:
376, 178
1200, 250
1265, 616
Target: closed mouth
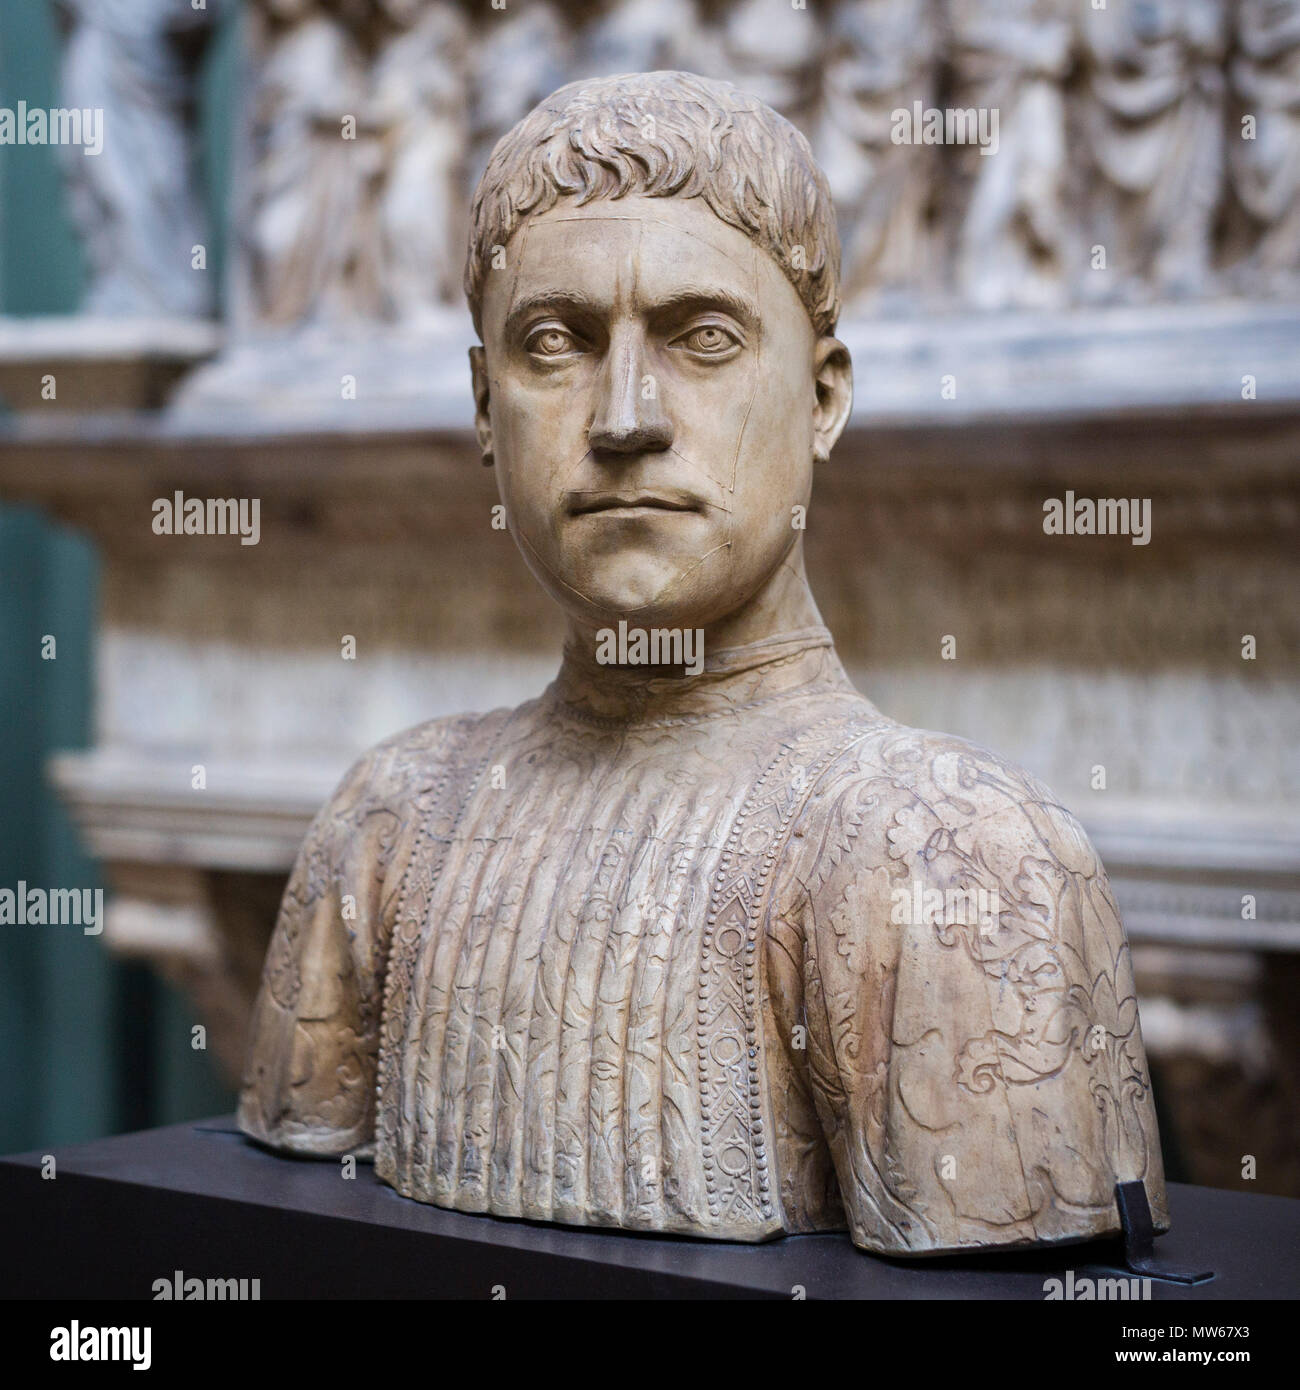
587, 503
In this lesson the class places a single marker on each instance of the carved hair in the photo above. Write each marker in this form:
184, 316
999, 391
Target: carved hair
662, 135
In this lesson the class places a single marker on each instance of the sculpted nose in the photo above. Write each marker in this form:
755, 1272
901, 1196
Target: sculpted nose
629, 418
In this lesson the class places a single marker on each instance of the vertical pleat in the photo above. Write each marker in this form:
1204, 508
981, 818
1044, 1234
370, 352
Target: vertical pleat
546, 1063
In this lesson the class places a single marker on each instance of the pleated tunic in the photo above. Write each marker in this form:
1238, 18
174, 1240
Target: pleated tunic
632, 962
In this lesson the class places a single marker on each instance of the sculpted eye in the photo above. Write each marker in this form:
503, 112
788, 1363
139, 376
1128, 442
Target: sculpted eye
708, 340
548, 340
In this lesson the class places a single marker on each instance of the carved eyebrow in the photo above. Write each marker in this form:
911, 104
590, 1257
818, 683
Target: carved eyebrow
556, 301
693, 299
681, 301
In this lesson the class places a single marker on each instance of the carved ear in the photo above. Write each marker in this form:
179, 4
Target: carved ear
833, 370
482, 419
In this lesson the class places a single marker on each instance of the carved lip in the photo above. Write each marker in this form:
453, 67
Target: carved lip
636, 500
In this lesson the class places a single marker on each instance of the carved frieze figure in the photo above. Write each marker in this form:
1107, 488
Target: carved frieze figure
420, 97
1012, 59
1151, 113
306, 183
774, 51
357, 138
1264, 159
518, 56
699, 940
635, 35
881, 58
136, 203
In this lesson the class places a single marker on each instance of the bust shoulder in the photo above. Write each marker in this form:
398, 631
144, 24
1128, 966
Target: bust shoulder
923, 803
407, 767
969, 998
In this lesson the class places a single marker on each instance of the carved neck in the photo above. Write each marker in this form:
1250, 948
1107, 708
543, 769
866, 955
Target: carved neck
774, 642
731, 679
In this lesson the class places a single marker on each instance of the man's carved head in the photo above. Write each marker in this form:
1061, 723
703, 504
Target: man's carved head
653, 271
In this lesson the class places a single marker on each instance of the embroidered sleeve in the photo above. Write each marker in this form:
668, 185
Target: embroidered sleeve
309, 1083
973, 1040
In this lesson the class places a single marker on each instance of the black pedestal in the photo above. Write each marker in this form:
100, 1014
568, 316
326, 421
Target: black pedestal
199, 1198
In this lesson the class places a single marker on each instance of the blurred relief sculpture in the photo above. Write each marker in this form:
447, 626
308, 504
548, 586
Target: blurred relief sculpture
881, 56
1117, 141
358, 131
1012, 58
136, 60
699, 940
1265, 157
1153, 114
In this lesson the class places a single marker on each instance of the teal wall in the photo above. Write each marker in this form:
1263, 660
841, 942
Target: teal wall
89, 1044
57, 1063
40, 264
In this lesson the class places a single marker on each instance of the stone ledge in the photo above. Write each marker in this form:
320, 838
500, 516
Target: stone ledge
99, 363
1068, 366
141, 809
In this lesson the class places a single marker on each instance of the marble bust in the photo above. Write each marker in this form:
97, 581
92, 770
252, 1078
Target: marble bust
698, 941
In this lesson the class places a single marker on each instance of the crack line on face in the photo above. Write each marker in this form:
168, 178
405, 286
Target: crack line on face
602, 491
682, 577
697, 473
554, 573
753, 390
628, 612
544, 219
728, 491
518, 267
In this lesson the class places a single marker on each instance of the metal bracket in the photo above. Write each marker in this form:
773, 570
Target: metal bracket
1139, 1237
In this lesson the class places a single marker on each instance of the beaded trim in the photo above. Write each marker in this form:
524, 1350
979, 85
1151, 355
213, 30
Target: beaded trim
729, 1030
